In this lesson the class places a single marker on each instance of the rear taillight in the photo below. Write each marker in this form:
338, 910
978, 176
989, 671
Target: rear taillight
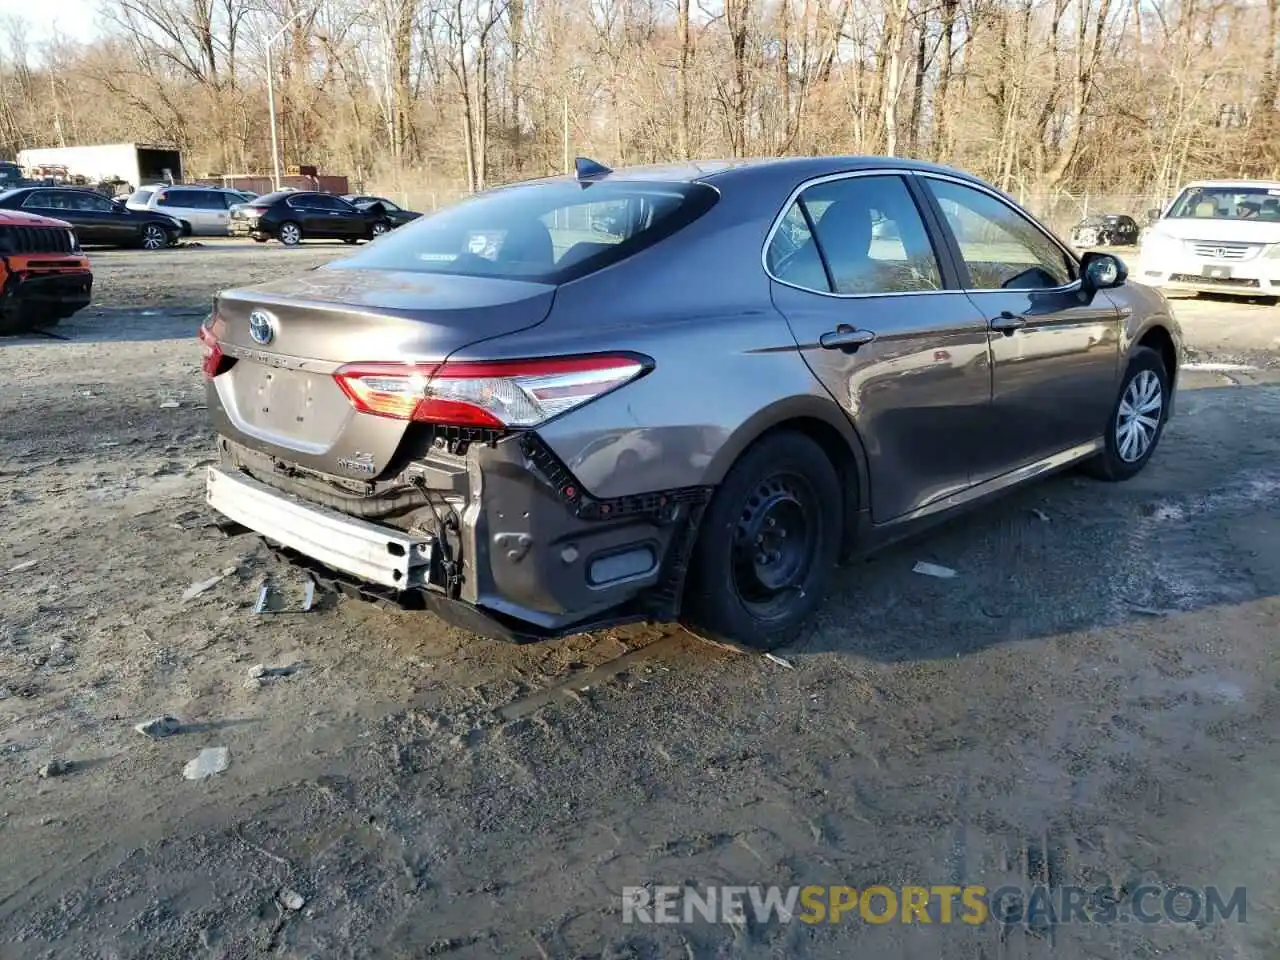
215, 362
495, 394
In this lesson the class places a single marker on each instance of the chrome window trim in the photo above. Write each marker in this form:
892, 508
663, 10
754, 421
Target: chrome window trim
994, 195
830, 178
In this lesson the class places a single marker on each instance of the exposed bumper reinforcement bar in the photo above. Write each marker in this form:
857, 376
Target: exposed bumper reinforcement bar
381, 555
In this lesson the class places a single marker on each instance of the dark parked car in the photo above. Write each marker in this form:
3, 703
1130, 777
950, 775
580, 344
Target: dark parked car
1107, 230
98, 220
397, 216
551, 429
292, 216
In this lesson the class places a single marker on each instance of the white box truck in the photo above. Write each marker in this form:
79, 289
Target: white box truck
134, 163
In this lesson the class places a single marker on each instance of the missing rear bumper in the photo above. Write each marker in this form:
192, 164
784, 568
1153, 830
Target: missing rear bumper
456, 613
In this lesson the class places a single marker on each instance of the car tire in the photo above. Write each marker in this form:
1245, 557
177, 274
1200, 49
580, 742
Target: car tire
1145, 383
378, 229
290, 234
153, 237
767, 548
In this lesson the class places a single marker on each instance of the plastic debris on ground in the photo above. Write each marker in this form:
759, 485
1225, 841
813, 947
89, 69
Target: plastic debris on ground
933, 570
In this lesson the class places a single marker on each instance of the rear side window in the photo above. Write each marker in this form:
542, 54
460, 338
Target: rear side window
140, 197
543, 232
857, 235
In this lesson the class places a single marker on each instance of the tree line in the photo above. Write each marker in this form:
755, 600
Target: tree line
1130, 96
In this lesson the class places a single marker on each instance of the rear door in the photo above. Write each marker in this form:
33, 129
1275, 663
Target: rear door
872, 302
1055, 352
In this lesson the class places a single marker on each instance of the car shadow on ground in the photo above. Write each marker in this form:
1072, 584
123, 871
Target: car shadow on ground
1072, 553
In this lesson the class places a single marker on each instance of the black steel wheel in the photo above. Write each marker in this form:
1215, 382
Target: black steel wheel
768, 544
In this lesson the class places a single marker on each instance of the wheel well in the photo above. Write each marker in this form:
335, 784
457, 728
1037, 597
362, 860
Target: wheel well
186, 228
842, 458
1159, 340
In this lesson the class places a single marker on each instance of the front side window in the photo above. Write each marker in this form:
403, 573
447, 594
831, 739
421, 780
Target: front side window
1000, 247
545, 232
857, 235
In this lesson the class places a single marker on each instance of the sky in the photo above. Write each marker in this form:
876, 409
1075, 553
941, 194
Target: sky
74, 19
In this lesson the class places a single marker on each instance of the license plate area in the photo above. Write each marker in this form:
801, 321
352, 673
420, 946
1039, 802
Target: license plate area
1214, 272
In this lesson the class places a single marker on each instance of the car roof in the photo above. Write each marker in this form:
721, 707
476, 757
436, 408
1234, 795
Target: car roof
1246, 184
799, 168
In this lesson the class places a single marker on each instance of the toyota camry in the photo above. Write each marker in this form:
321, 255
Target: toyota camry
682, 392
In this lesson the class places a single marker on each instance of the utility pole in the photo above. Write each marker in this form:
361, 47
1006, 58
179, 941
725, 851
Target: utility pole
568, 164
271, 94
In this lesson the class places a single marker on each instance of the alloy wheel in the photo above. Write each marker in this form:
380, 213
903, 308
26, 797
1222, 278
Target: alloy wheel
290, 234
153, 237
1138, 419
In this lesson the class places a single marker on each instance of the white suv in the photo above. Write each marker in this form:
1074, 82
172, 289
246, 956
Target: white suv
1219, 235
203, 211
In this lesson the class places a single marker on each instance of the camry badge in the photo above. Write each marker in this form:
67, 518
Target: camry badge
262, 326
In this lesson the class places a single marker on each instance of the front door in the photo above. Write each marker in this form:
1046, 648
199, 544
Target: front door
904, 353
113, 220
350, 221
1055, 350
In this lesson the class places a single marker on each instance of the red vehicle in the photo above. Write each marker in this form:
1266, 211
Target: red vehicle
44, 276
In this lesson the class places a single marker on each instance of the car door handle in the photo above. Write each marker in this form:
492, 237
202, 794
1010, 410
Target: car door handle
846, 338
1008, 322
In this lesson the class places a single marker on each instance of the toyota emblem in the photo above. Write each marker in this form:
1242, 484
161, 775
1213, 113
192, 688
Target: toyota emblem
262, 326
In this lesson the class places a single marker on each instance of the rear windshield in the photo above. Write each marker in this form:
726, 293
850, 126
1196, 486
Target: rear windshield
542, 232
140, 197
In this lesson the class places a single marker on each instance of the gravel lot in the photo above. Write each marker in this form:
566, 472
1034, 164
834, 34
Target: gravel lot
1093, 699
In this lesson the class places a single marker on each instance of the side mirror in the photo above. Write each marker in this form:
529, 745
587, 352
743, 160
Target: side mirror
1153, 215
1101, 271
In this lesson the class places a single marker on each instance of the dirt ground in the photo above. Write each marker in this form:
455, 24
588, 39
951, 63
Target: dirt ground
1093, 699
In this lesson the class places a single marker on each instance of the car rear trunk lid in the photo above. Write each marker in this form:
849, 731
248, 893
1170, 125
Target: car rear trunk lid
288, 337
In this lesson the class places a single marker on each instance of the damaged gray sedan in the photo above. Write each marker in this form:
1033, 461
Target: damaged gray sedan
672, 393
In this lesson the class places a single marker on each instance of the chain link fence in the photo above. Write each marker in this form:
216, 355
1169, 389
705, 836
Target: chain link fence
1063, 210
